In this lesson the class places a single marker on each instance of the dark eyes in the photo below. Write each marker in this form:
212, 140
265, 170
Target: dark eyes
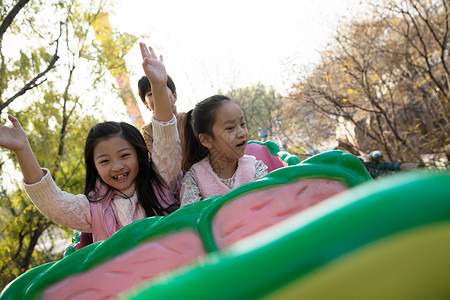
231, 128
105, 161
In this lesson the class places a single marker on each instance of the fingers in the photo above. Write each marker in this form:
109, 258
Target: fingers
145, 61
14, 121
148, 52
144, 50
152, 52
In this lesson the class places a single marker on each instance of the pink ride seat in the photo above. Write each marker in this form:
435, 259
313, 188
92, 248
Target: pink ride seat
261, 152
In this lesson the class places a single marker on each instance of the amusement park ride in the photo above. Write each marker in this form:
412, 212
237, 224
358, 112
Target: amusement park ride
317, 229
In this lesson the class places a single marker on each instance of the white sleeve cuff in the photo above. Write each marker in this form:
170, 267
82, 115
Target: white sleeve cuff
173, 120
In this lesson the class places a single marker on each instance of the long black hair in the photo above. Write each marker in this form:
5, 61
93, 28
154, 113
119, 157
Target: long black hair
197, 121
147, 177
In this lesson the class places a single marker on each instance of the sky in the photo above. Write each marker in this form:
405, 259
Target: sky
212, 45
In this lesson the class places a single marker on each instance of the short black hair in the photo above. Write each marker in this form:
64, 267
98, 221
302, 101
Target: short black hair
144, 86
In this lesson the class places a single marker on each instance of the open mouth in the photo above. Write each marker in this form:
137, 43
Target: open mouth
241, 144
121, 176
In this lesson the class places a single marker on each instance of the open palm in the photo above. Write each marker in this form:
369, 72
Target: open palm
13, 138
154, 69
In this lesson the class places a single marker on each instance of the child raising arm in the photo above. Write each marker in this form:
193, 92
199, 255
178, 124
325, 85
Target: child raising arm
165, 156
16, 140
122, 186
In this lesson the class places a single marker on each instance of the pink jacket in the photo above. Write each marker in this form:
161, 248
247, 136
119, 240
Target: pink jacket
210, 184
104, 222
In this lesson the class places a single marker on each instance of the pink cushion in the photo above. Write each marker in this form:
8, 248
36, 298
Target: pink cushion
256, 211
261, 152
150, 259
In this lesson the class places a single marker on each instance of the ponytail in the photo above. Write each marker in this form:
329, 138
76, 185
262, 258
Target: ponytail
193, 150
200, 120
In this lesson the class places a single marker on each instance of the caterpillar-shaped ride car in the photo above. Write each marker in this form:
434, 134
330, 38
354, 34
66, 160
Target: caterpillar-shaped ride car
319, 229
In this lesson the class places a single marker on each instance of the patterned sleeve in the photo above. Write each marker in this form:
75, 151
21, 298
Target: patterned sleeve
147, 133
166, 153
63, 208
261, 170
190, 191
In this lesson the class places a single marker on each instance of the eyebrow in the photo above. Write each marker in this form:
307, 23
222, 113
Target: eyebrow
120, 150
100, 156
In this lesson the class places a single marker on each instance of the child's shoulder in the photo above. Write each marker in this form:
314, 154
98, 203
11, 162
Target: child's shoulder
180, 115
190, 176
147, 128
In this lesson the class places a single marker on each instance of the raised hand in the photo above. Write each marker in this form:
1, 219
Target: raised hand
154, 69
13, 138
156, 73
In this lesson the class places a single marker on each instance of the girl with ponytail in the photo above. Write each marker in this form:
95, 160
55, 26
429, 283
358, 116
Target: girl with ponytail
215, 137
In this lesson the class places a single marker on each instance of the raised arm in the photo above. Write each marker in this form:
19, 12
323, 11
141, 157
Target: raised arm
15, 139
156, 73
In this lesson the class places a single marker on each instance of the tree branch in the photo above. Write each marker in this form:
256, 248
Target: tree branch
33, 83
11, 15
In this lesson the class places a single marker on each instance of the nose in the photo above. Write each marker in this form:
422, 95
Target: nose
242, 131
117, 166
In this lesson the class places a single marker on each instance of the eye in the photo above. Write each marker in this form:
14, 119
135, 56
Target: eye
231, 128
103, 161
125, 155
243, 124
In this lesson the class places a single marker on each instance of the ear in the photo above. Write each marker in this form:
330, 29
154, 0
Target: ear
206, 140
175, 97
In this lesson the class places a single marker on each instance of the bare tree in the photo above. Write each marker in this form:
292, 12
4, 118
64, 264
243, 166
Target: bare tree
387, 77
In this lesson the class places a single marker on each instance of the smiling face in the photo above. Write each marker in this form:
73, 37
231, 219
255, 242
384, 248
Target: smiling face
116, 162
230, 133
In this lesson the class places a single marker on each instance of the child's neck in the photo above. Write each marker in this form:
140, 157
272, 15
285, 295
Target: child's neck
222, 167
127, 193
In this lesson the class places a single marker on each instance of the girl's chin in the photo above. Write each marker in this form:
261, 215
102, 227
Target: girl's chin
122, 184
241, 151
